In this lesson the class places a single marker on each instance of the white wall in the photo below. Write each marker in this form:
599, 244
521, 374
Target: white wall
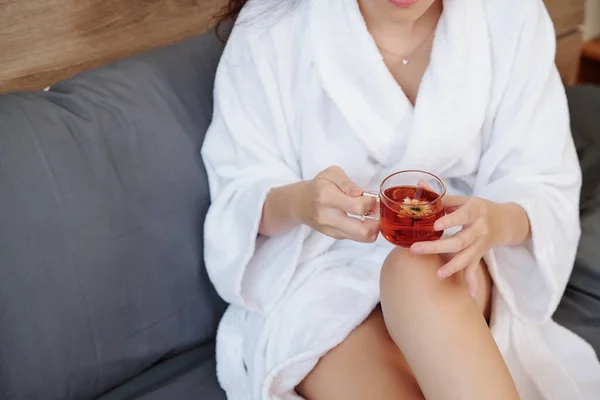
591, 28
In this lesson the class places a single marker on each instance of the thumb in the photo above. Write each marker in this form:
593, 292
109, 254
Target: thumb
353, 190
338, 177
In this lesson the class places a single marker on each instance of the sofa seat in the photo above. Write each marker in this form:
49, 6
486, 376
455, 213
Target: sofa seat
187, 376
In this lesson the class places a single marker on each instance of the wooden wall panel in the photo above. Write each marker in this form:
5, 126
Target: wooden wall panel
567, 15
568, 49
42, 41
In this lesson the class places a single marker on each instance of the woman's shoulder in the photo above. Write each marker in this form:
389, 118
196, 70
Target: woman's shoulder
519, 26
513, 17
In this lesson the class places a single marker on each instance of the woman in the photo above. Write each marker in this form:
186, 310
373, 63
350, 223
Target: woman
318, 100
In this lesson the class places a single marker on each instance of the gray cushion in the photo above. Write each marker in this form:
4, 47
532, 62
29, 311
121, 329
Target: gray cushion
584, 106
102, 202
188, 376
579, 309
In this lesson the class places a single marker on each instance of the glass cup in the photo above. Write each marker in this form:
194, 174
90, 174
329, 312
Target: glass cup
409, 204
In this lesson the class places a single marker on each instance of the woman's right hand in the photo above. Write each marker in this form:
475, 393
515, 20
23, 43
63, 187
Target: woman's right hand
324, 202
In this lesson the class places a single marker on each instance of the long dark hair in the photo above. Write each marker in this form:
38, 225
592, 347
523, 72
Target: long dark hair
227, 16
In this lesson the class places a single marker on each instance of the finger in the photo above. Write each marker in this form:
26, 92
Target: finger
462, 216
338, 177
373, 230
453, 244
455, 201
423, 184
334, 233
471, 279
352, 205
459, 262
354, 229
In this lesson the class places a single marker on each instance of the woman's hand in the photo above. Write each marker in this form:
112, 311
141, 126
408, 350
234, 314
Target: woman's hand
325, 201
322, 204
486, 224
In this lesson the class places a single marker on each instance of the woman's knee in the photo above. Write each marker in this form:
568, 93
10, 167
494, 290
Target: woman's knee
412, 279
404, 269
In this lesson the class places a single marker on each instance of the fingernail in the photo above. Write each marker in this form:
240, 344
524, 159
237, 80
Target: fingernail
438, 226
441, 275
416, 249
355, 191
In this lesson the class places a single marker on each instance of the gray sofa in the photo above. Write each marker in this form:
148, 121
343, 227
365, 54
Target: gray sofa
103, 291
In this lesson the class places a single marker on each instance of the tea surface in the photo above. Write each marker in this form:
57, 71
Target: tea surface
410, 216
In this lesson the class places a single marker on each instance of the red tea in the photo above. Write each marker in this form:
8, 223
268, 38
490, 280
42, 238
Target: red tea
411, 215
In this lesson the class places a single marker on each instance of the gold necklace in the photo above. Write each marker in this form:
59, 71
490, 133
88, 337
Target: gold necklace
405, 58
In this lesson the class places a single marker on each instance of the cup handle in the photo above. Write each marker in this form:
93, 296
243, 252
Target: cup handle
369, 215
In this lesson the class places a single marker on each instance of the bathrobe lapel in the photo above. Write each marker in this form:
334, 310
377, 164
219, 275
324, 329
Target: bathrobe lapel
452, 99
354, 76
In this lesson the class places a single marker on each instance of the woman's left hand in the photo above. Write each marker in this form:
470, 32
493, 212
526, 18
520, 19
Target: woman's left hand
484, 227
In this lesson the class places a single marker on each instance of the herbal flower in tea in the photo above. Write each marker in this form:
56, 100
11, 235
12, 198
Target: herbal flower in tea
408, 214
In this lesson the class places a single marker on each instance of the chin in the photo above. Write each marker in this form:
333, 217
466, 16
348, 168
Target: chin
406, 10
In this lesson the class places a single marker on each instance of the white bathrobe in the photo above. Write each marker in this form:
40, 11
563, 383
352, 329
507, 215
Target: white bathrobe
300, 89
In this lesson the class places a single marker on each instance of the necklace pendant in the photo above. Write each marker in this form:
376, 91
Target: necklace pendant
405, 61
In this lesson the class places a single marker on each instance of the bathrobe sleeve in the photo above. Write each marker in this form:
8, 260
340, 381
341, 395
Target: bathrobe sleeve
247, 152
531, 160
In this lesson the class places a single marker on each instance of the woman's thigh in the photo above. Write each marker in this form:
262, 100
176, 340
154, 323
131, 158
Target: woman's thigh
441, 331
367, 365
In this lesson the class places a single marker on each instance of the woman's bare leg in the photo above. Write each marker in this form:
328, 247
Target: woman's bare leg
441, 331
367, 365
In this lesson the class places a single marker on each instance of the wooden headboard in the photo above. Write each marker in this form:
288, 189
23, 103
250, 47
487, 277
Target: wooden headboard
42, 41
